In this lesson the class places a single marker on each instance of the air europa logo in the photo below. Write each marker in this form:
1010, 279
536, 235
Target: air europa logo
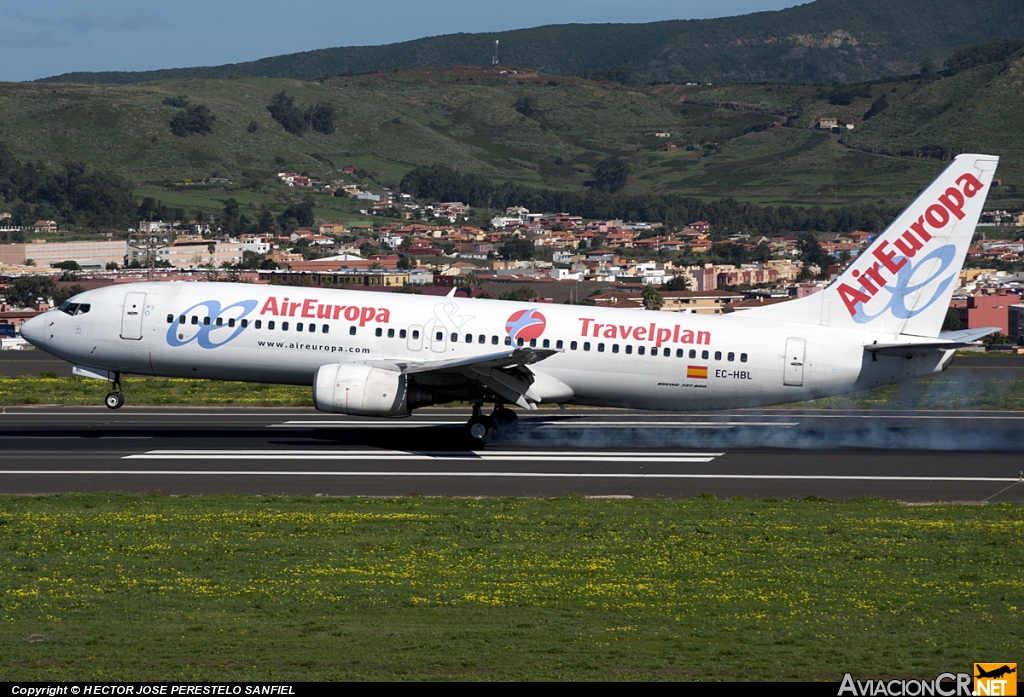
525, 325
224, 324
893, 269
312, 308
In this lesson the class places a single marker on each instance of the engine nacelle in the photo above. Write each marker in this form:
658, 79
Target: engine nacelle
360, 390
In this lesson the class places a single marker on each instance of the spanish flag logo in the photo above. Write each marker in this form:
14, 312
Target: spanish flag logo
697, 371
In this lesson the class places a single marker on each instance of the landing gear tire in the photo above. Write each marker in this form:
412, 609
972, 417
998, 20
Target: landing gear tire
480, 430
114, 400
505, 419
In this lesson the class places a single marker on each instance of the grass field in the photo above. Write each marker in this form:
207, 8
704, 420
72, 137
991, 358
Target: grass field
940, 392
111, 587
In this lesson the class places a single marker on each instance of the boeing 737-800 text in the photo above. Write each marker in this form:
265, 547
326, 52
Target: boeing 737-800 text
377, 354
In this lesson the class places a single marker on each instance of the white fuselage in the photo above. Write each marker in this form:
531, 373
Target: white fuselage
608, 357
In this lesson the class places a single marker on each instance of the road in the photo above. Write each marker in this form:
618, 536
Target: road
908, 456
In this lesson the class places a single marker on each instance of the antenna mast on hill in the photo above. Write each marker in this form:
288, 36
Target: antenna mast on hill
494, 59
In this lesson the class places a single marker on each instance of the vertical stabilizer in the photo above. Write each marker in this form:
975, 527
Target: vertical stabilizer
902, 283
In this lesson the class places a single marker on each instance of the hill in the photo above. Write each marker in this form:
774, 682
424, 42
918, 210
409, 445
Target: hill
820, 42
756, 143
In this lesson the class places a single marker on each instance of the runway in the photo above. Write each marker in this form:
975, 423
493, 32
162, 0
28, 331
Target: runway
912, 456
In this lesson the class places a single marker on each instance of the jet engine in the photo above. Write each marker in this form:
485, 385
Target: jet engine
360, 390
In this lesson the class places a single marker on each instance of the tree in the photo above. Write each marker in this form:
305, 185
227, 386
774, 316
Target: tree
59, 295
952, 321
69, 265
652, 298
681, 281
283, 110
811, 253
524, 105
196, 119
230, 218
516, 249
524, 294
610, 175
26, 290
320, 117
300, 213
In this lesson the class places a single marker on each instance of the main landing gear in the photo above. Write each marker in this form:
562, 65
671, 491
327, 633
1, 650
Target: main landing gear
481, 428
115, 400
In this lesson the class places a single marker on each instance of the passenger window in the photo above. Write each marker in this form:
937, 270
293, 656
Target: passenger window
533, 343
401, 333
325, 328
455, 338
469, 338
391, 333
415, 333
195, 320
615, 348
704, 355
258, 323
494, 340
270, 324
572, 345
438, 336
170, 319
231, 322
600, 348
718, 355
378, 332
481, 339
284, 326
666, 352
519, 341
352, 330
731, 356
680, 353
547, 343
508, 341
298, 326
586, 345
743, 358
244, 323
640, 350
693, 353
629, 348
220, 322
559, 344
206, 321
182, 319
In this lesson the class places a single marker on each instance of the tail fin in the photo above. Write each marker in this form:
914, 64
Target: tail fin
902, 283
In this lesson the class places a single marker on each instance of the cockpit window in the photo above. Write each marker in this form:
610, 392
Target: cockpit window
69, 307
83, 308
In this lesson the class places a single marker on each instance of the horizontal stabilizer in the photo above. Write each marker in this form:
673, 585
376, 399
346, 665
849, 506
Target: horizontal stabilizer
947, 341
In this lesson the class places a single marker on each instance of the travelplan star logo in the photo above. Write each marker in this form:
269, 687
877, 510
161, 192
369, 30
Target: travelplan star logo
525, 325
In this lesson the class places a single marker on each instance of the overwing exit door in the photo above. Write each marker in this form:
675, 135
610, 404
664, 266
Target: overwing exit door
131, 315
794, 369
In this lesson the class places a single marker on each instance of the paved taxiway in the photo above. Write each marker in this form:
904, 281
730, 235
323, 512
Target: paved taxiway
909, 456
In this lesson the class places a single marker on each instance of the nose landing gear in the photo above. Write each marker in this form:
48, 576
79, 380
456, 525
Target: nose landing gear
114, 399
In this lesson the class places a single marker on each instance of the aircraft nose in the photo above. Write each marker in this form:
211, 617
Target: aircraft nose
34, 330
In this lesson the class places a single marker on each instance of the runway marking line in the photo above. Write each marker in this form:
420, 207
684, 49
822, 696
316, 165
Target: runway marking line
539, 424
525, 475
406, 456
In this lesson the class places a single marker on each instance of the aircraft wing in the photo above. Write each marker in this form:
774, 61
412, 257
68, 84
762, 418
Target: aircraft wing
916, 346
505, 373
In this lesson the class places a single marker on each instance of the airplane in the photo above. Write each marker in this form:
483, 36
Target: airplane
386, 354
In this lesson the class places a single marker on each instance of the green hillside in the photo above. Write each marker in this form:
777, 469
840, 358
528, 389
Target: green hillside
752, 142
819, 42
